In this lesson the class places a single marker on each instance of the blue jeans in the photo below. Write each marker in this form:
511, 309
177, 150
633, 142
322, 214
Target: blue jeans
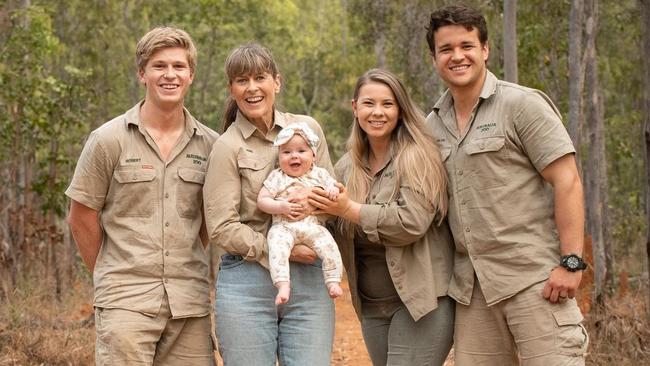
251, 330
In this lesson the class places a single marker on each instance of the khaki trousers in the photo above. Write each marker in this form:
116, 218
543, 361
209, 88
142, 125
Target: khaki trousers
525, 329
130, 338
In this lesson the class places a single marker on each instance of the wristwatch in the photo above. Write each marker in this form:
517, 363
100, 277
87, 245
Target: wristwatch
572, 263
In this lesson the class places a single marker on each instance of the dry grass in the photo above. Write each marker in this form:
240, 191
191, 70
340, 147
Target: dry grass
36, 329
620, 331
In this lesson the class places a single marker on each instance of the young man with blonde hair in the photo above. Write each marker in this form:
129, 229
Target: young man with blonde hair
136, 216
515, 207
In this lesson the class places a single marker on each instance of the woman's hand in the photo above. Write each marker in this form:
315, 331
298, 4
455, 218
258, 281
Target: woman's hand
342, 207
303, 254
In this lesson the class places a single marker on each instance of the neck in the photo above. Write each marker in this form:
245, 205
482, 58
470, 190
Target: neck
154, 116
377, 153
264, 123
465, 97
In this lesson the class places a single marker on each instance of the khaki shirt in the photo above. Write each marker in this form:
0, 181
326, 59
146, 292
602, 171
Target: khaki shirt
418, 251
240, 161
150, 212
500, 208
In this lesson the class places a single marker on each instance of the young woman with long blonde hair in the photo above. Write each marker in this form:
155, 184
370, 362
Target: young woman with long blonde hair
390, 226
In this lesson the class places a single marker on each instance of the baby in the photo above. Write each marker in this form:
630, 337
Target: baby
297, 150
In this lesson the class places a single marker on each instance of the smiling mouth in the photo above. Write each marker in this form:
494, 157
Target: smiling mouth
459, 68
254, 100
377, 123
169, 86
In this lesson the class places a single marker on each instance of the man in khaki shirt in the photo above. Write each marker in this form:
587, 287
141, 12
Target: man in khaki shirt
136, 216
516, 207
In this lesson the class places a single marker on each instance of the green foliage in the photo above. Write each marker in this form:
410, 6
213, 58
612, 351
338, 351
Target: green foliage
70, 67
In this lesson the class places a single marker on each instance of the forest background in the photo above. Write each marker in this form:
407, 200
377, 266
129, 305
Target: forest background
68, 66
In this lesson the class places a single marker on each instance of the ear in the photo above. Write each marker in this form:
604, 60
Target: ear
486, 51
278, 83
141, 77
354, 108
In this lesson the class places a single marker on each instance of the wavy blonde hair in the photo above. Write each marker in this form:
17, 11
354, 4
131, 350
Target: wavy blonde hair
415, 152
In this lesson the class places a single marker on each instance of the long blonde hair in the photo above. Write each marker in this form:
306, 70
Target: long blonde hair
415, 152
247, 59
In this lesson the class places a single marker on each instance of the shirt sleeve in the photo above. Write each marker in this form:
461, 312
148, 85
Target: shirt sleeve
274, 182
400, 222
222, 198
324, 178
540, 130
93, 174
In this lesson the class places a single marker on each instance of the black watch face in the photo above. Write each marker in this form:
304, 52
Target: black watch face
572, 262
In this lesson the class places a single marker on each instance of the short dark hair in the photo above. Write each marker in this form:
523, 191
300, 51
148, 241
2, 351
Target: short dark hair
462, 15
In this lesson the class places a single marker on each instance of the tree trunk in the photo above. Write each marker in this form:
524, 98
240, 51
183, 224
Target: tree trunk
645, 15
576, 75
596, 172
380, 27
510, 40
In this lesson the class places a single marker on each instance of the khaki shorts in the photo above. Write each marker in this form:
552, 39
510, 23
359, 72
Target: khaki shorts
525, 329
130, 338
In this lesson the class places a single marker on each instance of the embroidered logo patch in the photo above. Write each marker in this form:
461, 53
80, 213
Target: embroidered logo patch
196, 159
132, 160
486, 127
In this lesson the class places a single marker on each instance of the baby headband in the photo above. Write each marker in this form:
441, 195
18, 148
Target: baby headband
298, 128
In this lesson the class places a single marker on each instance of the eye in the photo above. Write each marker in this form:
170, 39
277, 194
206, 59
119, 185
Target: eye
368, 103
389, 104
260, 77
240, 80
468, 47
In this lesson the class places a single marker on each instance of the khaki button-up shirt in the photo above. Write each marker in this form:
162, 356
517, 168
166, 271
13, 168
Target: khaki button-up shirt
419, 252
501, 209
240, 161
150, 214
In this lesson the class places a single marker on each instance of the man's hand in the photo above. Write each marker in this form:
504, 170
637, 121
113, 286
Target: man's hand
561, 285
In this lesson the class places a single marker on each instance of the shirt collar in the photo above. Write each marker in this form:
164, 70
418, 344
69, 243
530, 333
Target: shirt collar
132, 117
446, 101
247, 128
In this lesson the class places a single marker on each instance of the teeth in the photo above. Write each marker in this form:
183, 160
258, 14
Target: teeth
376, 123
457, 68
254, 99
169, 86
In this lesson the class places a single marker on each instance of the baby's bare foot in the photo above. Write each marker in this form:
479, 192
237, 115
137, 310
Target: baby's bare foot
283, 293
334, 289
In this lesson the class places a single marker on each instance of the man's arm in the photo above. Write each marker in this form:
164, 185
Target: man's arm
86, 231
563, 175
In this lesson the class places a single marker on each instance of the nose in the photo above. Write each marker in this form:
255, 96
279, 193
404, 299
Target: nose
170, 73
377, 110
457, 54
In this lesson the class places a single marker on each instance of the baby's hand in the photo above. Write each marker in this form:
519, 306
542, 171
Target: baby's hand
290, 209
333, 193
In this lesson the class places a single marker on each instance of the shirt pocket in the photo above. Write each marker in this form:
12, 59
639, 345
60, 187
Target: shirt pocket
253, 171
487, 159
135, 192
188, 192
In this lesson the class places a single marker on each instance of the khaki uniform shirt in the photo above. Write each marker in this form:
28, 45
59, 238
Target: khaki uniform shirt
501, 209
240, 161
150, 212
419, 253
